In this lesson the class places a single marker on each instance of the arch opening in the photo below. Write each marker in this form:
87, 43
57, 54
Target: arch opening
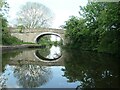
47, 33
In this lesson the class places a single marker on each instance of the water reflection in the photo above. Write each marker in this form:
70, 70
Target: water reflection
74, 70
29, 76
92, 70
5, 73
53, 53
23, 75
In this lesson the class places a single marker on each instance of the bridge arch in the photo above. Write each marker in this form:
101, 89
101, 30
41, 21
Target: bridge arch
47, 33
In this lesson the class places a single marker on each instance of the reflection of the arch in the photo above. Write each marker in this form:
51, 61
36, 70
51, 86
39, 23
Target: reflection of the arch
54, 53
30, 76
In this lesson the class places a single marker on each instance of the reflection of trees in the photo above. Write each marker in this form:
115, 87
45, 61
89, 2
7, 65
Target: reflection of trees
44, 51
93, 70
32, 75
7, 55
2, 82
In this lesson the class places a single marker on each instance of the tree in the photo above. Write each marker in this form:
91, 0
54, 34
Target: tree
6, 38
3, 21
4, 7
100, 21
3, 10
34, 15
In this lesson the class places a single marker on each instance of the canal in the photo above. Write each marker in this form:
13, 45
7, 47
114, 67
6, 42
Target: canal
54, 67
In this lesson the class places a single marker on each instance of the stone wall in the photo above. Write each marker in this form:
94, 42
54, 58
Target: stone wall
31, 35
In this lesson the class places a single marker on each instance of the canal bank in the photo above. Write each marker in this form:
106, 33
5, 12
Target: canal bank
12, 47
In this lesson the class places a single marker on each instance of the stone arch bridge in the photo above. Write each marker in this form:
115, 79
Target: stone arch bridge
33, 34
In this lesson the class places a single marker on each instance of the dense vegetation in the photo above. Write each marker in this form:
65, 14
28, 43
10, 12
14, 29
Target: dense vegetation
97, 29
6, 38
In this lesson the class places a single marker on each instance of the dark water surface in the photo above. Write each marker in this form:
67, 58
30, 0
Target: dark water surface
54, 67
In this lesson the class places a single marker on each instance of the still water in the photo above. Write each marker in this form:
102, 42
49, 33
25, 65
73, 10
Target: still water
54, 67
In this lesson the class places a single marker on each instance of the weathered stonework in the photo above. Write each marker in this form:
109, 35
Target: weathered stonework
32, 35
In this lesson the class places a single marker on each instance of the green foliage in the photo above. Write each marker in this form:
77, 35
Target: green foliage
45, 40
98, 29
56, 43
10, 40
6, 38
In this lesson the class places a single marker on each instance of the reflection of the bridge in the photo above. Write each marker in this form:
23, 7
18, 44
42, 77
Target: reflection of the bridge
87, 69
29, 70
29, 57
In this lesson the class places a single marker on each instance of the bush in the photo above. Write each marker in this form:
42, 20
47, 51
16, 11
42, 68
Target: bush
10, 40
